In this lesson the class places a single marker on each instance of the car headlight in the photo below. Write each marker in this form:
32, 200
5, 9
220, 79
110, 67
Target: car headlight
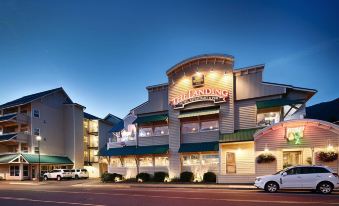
257, 179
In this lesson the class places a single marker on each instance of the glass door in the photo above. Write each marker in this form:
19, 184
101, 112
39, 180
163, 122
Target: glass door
291, 158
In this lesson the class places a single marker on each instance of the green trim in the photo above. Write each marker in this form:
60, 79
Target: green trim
239, 135
199, 147
6, 158
278, 103
196, 113
47, 159
154, 149
151, 118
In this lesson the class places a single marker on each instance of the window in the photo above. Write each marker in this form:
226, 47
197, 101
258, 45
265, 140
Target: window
161, 161
36, 132
294, 171
146, 162
190, 160
310, 170
36, 113
192, 127
145, 131
161, 130
25, 170
115, 162
129, 162
210, 159
209, 125
14, 171
268, 118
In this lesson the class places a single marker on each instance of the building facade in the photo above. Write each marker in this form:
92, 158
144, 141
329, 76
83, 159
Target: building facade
50, 115
212, 117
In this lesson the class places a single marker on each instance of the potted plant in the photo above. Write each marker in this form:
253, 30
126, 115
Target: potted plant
327, 156
265, 158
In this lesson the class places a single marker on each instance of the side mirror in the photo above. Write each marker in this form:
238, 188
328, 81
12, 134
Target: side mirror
284, 174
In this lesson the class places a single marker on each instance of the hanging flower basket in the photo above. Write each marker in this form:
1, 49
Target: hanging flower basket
266, 158
327, 156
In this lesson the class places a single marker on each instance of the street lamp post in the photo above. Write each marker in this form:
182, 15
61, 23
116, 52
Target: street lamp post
38, 139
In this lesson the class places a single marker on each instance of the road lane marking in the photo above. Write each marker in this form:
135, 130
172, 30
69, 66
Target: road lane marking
197, 198
47, 201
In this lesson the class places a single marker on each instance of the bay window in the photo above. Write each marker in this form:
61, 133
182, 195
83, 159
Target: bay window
190, 127
145, 131
209, 125
160, 130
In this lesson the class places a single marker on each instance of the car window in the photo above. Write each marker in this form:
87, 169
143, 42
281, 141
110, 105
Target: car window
84, 170
67, 170
78, 170
306, 170
320, 170
72, 170
294, 171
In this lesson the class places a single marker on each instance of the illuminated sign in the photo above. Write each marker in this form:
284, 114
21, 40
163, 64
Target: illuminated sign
198, 80
198, 95
295, 134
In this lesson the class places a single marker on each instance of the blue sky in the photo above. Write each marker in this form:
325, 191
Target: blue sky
104, 53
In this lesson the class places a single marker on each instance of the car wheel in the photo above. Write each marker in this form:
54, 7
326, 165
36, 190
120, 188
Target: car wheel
58, 178
325, 187
45, 178
271, 187
76, 177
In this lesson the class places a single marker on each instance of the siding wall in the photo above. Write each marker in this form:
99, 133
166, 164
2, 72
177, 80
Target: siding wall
153, 140
157, 101
210, 136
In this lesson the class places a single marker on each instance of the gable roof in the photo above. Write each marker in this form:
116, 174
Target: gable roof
30, 98
91, 117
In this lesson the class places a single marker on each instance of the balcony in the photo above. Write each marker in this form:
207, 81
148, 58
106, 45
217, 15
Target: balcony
121, 144
19, 118
14, 137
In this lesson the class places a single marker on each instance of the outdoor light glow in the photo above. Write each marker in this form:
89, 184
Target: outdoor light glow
139, 180
167, 179
38, 138
266, 150
330, 148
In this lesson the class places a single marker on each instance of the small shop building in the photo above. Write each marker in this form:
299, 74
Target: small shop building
210, 117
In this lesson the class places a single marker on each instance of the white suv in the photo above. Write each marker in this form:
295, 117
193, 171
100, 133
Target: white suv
58, 174
319, 178
79, 173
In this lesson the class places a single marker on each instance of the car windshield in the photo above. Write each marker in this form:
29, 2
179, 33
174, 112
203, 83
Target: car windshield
67, 170
281, 171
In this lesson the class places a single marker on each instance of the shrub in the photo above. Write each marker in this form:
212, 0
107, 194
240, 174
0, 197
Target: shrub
186, 177
265, 158
110, 177
209, 177
160, 176
327, 156
145, 177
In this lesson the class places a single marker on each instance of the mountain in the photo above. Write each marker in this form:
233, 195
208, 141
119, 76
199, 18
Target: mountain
327, 111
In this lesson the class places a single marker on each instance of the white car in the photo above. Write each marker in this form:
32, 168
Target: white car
58, 174
79, 174
319, 178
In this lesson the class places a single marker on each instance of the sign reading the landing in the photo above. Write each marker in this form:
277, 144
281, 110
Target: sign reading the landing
198, 95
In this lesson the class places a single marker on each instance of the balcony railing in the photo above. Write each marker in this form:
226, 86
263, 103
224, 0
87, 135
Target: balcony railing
19, 118
121, 144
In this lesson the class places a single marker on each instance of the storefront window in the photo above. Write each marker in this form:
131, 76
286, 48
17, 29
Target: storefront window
209, 125
210, 159
146, 162
267, 119
145, 131
25, 170
14, 171
161, 161
190, 160
192, 127
159, 131
115, 162
129, 162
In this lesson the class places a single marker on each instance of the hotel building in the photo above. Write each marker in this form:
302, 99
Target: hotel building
212, 117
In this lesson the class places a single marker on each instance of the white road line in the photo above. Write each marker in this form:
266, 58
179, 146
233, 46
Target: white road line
198, 198
47, 201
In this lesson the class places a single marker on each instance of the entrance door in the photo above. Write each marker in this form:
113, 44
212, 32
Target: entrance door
291, 158
33, 172
230, 163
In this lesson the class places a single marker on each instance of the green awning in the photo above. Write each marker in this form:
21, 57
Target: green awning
278, 103
6, 158
199, 147
133, 150
154, 149
239, 135
47, 159
201, 112
151, 118
6, 137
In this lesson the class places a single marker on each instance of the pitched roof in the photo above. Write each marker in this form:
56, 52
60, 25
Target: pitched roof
46, 159
91, 117
30, 98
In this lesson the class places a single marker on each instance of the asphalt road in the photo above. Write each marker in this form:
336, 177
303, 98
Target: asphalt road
73, 193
